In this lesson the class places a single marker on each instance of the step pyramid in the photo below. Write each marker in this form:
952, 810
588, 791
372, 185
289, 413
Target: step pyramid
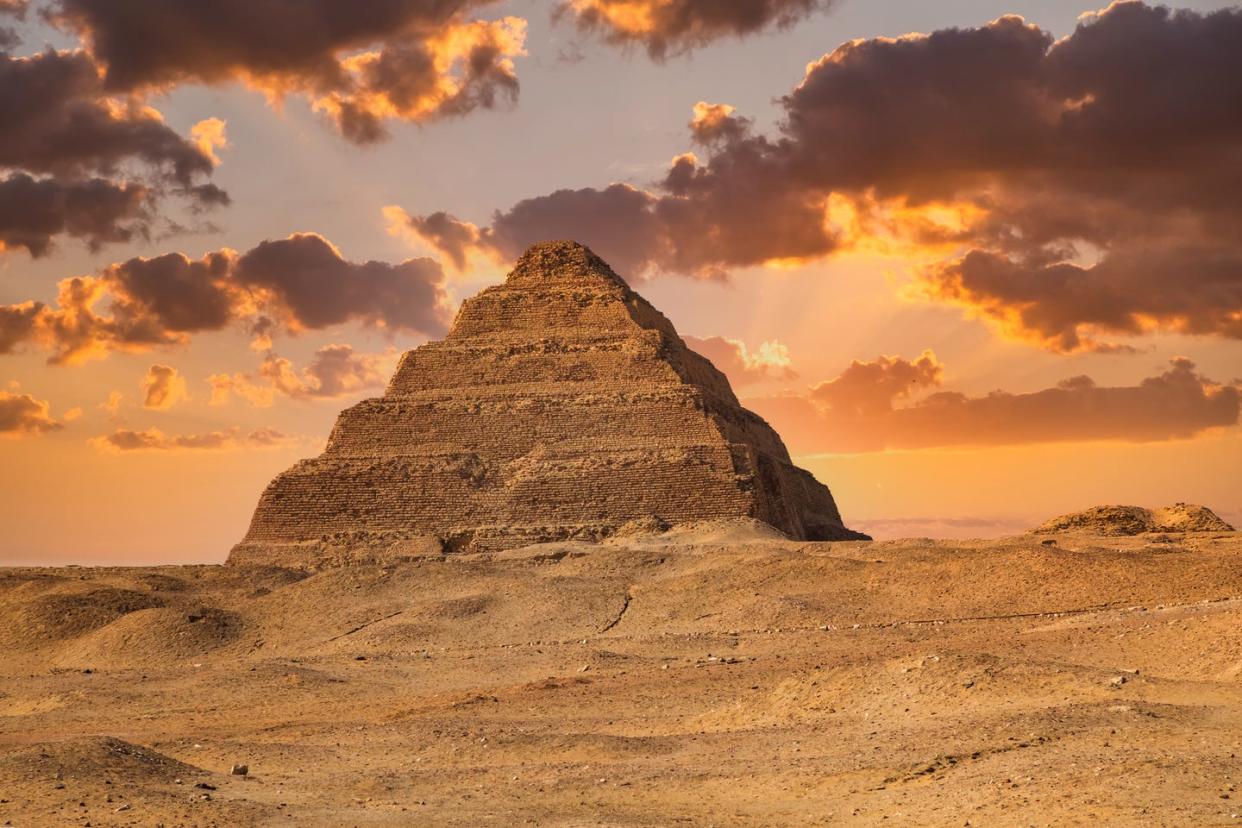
560, 405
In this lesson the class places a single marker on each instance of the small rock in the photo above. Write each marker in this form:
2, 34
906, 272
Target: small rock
584, 668
240, 770
1048, 542
124, 807
205, 786
1117, 681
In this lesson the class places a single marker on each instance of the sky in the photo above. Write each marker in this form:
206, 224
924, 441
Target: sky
977, 261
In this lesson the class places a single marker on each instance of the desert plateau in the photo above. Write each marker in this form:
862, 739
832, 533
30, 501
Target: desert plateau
710, 675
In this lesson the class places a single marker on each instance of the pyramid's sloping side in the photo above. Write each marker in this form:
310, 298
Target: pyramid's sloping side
560, 405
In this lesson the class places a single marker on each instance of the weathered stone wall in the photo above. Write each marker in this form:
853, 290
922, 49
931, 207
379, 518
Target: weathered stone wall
561, 405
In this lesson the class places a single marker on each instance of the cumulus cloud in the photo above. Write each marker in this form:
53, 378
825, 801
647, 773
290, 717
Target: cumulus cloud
859, 411
334, 371
22, 414
870, 388
34, 211
83, 162
60, 119
770, 361
1062, 305
163, 387
666, 27
1000, 159
306, 283
406, 60
295, 284
152, 439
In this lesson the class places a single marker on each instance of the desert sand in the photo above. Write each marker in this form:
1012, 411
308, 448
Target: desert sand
713, 675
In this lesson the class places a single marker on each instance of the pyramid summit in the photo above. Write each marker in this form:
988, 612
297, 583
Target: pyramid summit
560, 405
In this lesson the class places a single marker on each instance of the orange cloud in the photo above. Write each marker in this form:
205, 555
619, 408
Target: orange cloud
294, 284
859, 412
163, 387
209, 135
666, 27
770, 361
113, 403
335, 371
23, 415
1065, 307
403, 60
152, 439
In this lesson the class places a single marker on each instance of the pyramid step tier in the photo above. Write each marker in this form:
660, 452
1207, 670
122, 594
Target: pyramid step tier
512, 421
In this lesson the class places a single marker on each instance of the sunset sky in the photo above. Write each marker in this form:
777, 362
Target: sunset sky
978, 261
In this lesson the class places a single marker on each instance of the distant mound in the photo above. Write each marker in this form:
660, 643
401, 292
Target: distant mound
65, 611
91, 758
154, 636
1135, 520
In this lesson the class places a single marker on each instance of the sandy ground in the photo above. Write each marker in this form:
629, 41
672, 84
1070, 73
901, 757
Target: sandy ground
693, 680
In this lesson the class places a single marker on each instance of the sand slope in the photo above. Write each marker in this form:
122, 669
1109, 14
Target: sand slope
718, 676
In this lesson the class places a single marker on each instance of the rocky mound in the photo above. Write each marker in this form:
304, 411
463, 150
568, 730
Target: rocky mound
560, 406
1135, 520
154, 636
60, 610
93, 758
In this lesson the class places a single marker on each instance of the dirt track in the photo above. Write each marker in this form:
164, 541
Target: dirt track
709, 680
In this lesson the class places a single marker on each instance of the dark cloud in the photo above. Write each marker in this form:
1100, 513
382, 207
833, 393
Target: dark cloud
22, 414
293, 284
83, 163
1109, 161
33, 212
361, 65
666, 27
1186, 289
858, 411
770, 361
59, 119
152, 439
308, 283
699, 221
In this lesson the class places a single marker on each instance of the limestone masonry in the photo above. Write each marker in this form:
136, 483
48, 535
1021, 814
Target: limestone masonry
561, 405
